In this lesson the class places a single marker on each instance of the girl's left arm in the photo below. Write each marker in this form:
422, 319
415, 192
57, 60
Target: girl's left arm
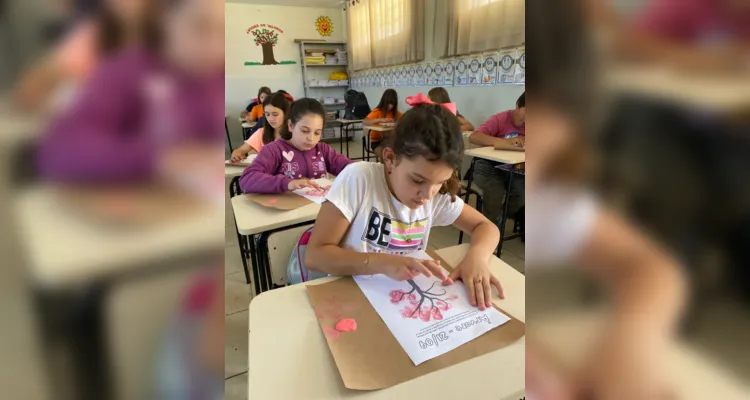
335, 162
474, 269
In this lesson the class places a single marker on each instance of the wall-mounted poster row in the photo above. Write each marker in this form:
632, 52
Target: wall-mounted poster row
505, 67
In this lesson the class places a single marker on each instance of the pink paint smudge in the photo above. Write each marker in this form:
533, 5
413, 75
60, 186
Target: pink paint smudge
274, 200
331, 333
346, 325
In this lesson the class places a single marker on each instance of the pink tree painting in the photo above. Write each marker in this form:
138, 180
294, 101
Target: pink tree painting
416, 302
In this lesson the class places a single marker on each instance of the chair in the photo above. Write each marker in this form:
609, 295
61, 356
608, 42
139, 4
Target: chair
480, 203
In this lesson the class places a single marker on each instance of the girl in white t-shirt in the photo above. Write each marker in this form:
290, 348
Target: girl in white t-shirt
567, 225
375, 213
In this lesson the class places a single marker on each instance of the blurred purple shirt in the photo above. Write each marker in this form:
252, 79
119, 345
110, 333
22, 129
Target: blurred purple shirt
133, 108
694, 20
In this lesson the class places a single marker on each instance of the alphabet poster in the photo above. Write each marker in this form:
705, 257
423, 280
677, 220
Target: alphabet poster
461, 76
520, 77
506, 71
421, 80
413, 75
449, 70
405, 80
429, 74
475, 70
489, 69
426, 318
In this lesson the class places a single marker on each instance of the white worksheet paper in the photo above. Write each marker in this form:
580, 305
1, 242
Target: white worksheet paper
427, 318
316, 195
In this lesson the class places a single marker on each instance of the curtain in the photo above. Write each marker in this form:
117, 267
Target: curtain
471, 26
385, 32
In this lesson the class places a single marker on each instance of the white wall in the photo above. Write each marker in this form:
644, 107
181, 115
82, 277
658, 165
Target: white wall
242, 82
475, 103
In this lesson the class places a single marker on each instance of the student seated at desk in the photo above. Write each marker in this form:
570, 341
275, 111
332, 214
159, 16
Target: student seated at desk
440, 96
276, 107
254, 111
507, 129
296, 159
376, 211
386, 111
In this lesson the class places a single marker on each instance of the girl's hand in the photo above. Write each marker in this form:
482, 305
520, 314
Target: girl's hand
401, 268
519, 141
302, 183
475, 273
238, 155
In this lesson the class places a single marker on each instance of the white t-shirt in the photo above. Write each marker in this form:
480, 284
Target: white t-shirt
558, 222
379, 222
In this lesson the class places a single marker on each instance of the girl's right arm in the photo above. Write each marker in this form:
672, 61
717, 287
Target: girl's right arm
240, 153
260, 176
325, 255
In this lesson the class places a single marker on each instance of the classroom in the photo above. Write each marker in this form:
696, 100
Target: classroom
408, 57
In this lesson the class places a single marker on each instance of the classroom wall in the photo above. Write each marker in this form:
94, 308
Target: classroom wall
476, 104
242, 82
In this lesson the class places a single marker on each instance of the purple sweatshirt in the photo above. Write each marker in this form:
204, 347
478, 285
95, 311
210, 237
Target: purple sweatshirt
279, 163
132, 108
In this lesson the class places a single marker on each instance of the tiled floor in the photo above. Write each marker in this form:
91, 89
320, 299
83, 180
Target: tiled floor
238, 295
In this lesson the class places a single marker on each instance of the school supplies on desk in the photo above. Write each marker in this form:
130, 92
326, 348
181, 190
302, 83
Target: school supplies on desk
281, 201
314, 194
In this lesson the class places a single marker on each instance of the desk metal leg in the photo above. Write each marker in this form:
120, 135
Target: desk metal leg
244, 253
341, 139
347, 141
263, 261
504, 217
226, 129
470, 173
254, 261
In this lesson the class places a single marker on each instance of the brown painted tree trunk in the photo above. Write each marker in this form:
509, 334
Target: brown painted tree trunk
268, 58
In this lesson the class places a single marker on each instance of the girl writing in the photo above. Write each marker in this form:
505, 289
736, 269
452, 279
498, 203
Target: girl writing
294, 161
276, 107
254, 110
386, 111
391, 207
440, 96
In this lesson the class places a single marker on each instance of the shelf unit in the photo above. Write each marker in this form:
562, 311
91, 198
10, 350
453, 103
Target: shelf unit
322, 71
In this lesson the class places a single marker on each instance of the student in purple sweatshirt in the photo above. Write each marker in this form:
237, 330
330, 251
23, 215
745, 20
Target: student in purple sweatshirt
298, 157
147, 112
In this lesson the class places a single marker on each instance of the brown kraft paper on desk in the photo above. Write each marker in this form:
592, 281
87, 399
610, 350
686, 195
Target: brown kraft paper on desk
370, 357
281, 201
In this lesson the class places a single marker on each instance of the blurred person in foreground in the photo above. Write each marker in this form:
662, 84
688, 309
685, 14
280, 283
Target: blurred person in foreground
107, 27
152, 115
697, 35
566, 225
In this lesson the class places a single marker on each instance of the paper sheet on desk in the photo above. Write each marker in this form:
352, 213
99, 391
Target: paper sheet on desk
243, 163
316, 195
427, 318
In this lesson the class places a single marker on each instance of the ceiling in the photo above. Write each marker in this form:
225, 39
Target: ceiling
294, 3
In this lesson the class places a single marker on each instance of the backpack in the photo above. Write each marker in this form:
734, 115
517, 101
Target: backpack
356, 105
296, 271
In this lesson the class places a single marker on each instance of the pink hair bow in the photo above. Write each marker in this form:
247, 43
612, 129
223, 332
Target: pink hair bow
422, 99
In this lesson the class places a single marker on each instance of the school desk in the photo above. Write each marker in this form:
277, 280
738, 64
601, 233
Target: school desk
288, 357
255, 223
510, 159
565, 340
74, 263
366, 138
344, 130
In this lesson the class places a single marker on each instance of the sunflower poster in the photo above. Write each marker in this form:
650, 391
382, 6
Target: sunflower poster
449, 73
413, 75
324, 26
438, 74
429, 74
461, 76
475, 70
420, 75
520, 75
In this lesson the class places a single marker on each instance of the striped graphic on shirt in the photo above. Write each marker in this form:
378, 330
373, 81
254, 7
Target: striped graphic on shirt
407, 236
391, 235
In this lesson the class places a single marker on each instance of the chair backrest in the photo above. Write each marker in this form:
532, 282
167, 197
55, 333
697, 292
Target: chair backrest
234, 187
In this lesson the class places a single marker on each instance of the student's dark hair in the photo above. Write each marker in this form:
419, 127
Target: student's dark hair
389, 97
521, 102
264, 89
111, 36
439, 95
563, 76
280, 101
299, 109
433, 132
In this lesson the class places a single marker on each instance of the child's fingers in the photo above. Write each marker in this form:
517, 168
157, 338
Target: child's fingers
418, 266
479, 289
435, 269
487, 289
496, 283
471, 292
451, 278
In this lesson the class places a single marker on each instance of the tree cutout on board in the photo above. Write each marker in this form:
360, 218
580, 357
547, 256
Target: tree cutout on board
417, 299
266, 39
